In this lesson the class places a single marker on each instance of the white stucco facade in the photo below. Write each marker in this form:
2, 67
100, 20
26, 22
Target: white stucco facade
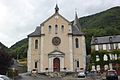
55, 46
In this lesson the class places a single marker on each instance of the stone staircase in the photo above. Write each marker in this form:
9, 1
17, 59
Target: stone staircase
56, 74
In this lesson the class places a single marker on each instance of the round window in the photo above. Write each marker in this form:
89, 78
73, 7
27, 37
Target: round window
56, 41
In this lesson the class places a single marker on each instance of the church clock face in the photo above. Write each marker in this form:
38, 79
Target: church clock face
56, 17
56, 41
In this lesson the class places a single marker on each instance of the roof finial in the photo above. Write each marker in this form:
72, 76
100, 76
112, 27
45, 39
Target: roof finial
76, 22
56, 9
76, 17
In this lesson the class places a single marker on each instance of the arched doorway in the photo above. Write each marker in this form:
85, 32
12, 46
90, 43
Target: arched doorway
56, 64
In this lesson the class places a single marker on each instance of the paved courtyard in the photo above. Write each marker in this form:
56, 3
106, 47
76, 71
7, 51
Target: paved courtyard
25, 76
43, 77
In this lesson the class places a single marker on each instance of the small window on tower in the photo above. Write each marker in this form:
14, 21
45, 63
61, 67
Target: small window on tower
36, 44
49, 28
36, 64
77, 63
62, 27
56, 29
76, 43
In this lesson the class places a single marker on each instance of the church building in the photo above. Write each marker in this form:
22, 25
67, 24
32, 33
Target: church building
57, 45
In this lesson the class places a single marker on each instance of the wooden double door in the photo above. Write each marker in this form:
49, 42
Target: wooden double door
56, 65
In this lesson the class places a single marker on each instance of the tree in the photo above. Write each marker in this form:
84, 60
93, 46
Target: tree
5, 61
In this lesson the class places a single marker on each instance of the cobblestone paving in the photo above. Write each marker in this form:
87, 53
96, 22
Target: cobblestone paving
24, 77
43, 77
46, 78
36, 77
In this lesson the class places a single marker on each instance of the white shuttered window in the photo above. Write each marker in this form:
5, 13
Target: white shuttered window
104, 46
118, 45
96, 47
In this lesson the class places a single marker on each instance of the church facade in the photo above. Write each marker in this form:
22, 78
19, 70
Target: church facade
57, 45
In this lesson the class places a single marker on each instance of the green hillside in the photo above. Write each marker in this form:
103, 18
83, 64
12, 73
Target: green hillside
100, 24
105, 19
19, 49
104, 23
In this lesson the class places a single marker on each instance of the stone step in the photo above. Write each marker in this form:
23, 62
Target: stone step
56, 74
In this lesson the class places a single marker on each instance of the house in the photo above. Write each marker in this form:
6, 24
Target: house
108, 44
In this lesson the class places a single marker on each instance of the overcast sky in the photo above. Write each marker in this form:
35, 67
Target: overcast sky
18, 18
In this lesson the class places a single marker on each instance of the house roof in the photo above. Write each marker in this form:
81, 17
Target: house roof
36, 33
76, 32
105, 39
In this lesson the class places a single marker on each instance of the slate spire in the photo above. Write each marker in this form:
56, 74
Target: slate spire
76, 23
76, 28
56, 9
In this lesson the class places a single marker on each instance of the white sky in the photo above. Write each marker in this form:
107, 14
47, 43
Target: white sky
18, 18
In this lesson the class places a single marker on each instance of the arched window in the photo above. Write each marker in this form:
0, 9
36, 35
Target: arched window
105, 57
56, 29
76, 43
36, 44
36, 64
77, 63
97, 58
96, 47
49, 28
62, 27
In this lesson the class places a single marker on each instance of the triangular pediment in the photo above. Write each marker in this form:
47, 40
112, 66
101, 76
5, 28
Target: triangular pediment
56, 53
54, 16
